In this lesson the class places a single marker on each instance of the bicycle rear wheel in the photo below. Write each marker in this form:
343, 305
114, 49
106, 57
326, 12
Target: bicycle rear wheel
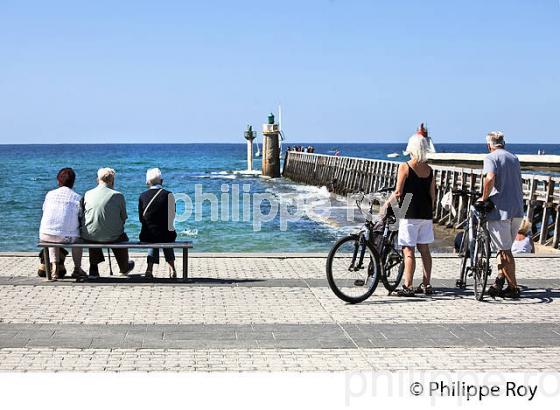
393, 263
481, 268
353, 269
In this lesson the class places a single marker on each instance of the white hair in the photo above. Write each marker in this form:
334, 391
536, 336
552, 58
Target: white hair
418, 147
106, 175
496, 139
153, 176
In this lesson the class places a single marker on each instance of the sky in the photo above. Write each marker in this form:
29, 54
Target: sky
343, 71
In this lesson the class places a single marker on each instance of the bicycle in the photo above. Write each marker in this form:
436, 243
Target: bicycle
374, 245
474, 248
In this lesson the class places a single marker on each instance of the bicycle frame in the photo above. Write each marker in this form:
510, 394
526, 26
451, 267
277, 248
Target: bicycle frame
373, 244
475, 221
473, 225
390, 256
361, 246
365, 234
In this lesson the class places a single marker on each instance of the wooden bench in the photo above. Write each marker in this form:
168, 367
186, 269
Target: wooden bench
185, 246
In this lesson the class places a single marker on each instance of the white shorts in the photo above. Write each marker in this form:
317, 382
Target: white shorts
415, 231
503, 233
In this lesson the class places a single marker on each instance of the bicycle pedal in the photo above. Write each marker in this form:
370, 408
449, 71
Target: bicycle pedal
359, 282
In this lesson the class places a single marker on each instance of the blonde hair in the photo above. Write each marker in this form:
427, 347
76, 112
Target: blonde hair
418, 147
525, 227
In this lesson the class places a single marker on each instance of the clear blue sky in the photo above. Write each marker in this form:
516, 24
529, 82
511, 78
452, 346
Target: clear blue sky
353, 71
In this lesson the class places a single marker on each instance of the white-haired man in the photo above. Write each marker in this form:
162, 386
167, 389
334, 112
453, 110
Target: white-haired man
104, 218
503, 186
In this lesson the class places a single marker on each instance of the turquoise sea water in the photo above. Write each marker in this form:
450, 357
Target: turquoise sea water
29, 171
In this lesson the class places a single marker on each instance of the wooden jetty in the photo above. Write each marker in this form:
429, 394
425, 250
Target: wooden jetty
344, 175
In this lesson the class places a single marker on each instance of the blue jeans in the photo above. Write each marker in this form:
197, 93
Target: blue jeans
153, 255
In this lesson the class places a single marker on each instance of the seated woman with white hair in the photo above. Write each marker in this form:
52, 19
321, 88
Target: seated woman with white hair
156, 209
415, 180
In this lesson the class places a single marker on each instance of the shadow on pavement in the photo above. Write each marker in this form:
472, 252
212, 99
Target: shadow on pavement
141, 279
528, 295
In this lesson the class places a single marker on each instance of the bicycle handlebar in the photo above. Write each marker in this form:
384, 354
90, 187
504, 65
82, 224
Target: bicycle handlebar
386, 189
372, 197
473, 194
363, 195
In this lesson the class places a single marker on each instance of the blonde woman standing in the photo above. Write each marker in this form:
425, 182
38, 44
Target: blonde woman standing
415, 180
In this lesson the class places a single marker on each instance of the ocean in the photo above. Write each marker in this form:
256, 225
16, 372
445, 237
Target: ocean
29, 171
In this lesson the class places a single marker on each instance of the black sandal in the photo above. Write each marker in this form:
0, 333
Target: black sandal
511, 293
404, 292
426, 290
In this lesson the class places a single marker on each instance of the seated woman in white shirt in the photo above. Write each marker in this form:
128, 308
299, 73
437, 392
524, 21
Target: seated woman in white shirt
61, 221
523, 242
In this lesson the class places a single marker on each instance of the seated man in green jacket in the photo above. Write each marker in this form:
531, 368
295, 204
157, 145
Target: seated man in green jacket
104, 218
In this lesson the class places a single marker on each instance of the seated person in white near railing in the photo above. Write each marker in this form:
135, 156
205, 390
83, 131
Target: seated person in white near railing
61, 221
523, 242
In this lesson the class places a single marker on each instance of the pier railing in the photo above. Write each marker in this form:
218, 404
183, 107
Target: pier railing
344, 175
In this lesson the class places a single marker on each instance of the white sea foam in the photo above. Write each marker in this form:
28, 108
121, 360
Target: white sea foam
237, 172
233, 174
320, 205
191, 232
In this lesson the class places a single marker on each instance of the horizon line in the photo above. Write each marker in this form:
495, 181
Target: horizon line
244, 143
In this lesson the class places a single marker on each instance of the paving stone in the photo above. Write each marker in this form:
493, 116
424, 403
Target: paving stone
270, 314
215, 268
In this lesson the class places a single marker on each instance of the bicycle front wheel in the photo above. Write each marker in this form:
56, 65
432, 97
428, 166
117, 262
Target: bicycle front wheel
353, 269
481, 269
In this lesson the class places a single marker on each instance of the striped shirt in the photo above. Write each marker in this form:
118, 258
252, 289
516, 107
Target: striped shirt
61, 211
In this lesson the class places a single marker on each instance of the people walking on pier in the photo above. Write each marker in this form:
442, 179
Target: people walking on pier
503, 186
104, 218
61, 221
415, 178
156, 215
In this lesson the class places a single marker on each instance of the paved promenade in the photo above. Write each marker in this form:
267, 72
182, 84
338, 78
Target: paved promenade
269, 313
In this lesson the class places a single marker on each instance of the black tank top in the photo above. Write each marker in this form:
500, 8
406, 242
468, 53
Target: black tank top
421, 203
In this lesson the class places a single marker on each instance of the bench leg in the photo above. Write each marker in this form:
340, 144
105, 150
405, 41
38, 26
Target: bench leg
185, 264
47, 260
